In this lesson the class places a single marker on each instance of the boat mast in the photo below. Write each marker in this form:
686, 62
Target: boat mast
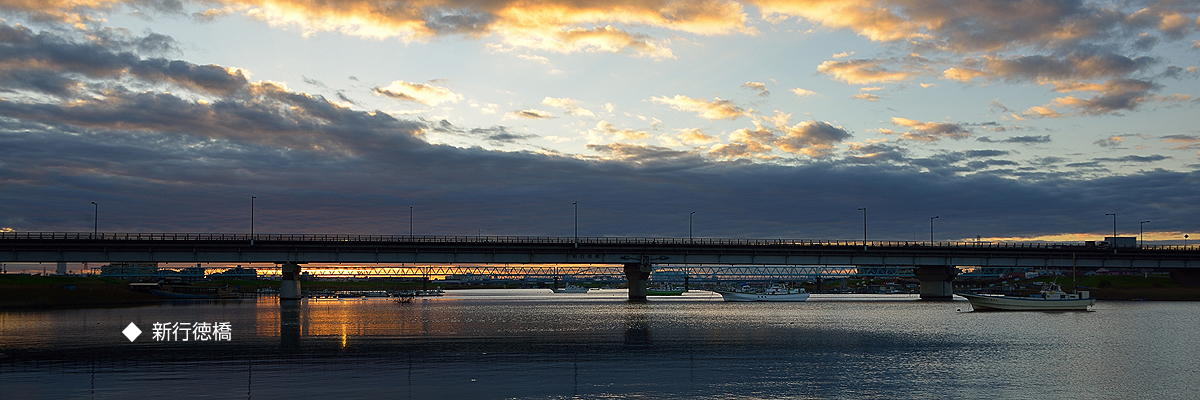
1074, 287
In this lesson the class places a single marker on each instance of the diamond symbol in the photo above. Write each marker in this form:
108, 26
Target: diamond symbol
132, 331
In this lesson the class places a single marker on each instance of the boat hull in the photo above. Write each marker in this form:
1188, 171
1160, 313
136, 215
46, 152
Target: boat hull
737, 296
1010, 303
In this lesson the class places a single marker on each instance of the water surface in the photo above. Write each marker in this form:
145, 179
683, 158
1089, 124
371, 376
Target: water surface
534, 344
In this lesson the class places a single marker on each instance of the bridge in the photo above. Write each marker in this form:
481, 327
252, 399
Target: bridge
933, 263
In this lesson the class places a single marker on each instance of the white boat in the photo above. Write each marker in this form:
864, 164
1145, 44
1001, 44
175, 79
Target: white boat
773, 293
572, 289
1051, 298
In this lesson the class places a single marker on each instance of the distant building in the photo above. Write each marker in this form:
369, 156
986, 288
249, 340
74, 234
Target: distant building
150, 272
236, 273
133, 272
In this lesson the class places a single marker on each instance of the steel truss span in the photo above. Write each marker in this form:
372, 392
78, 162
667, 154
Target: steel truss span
662, 273
580, 272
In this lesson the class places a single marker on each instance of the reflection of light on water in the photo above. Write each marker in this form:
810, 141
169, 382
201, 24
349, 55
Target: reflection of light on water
343, 336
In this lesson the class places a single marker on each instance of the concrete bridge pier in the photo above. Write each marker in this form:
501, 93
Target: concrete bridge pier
290, 288
937, 281
638, 274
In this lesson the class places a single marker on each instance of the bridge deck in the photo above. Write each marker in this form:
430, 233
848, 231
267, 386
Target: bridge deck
309, 248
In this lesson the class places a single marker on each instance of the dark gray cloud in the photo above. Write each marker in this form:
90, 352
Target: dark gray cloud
28, 56
1134, 159
457, 21
496, 134
1016, 139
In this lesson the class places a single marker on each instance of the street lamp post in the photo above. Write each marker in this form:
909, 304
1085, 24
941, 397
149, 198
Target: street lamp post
95, 219
1114, 236
864, 210
410, 222
252, 219
931, 230
690, 239
1141, 234
576, 204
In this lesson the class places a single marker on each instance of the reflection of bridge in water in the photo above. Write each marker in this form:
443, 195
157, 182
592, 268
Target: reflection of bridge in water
934, 264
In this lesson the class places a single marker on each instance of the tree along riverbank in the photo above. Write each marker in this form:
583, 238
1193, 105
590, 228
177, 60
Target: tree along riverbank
29, 291
1155, 287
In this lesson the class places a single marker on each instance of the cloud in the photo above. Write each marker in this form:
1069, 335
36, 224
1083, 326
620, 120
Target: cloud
865, 96
569, 105
1113, 96
418, 92
875, 152
985, 26
758, 86
1112, 141
811, 138
604, 129
713, 110
530, 114
802, 92
863, 71
1016, 139
929, 131
645, 155
498, 135
1187, 142
1134, 159
1048, 68
54, 65
600, 39
694, 137
561, 26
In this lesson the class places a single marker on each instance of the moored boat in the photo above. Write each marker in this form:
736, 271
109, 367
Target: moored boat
1050, 298
572, 289
772, 293
665, 291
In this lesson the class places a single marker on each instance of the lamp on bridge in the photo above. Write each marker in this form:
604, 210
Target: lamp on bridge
576, 204
931, 230
1141, 232
690, 239
252, 219
864, 210
1114, 236
96, 219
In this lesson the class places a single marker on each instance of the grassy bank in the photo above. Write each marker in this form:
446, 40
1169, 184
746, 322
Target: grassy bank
27, 291
1131, 287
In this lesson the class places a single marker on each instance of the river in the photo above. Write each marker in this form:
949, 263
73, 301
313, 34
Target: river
534, 344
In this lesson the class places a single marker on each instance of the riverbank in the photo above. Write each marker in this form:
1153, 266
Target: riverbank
1150, 287
29, 291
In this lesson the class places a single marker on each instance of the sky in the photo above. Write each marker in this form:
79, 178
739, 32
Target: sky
1006, 120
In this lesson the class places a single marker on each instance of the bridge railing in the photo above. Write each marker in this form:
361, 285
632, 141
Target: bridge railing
326, 238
